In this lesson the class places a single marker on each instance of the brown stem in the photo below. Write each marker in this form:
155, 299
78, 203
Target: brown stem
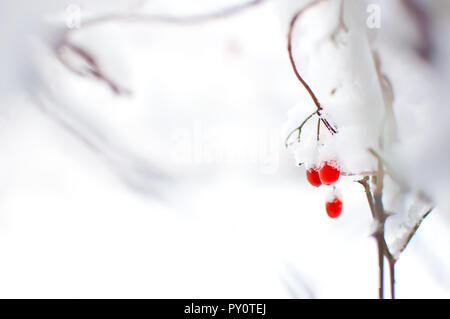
380, 217
299, 129
294, 66
379, 232
291, 58
365, 184
391, 260
375, 200
380, 266
392, 276
318, 129
92, 68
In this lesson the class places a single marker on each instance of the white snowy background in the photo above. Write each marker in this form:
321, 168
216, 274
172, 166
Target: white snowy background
183, 188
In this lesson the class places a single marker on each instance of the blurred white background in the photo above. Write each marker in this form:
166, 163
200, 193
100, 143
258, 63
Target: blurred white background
181, 188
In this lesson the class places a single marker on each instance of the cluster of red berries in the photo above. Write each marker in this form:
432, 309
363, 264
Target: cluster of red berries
327, 173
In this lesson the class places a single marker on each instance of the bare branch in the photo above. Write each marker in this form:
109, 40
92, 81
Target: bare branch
294, 19
365, 183
91, 68
299, 129
392, 276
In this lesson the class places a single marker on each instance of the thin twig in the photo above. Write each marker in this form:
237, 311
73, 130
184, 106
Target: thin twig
92, 69
291, 58
378, 238
392, 276
299, 129
381, 214
376, 203
294, 19
379, 232
365, 173
365, 184
380, 217
318, 130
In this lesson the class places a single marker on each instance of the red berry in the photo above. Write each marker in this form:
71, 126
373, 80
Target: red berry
329, 173
334, 207
312, 175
